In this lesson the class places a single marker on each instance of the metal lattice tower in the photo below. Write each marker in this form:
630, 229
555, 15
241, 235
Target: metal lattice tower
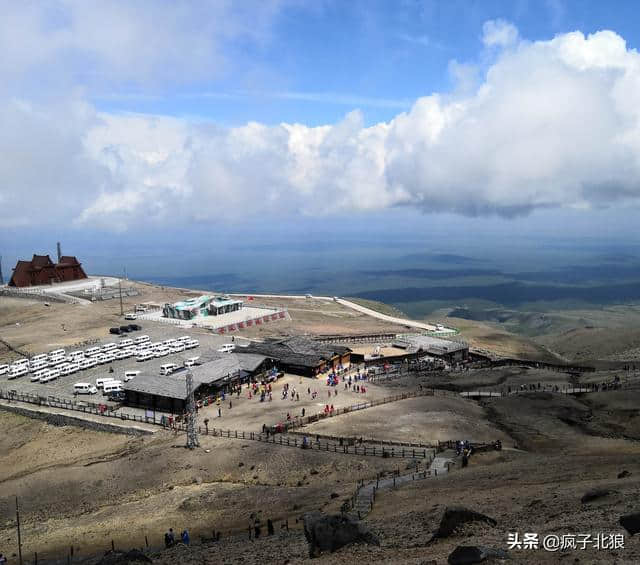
192, 429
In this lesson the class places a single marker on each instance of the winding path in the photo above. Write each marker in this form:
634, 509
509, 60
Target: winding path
366, 494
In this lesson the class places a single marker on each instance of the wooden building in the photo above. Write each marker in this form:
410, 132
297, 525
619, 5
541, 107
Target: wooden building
303, 356
42, 270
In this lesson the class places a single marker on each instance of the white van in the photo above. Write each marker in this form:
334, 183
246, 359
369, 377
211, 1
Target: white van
37, 376
16, 371
177, 347
109, 347
108, 357
4, 369
37, 365
128, 375
57, 353
76, 355
144, 356
121, 354
125, 342
112, 386
40, 357
168, 368
92, 351
191, 361
227, 348
130, 316
103, 380
51, 375
184, 339
92, 362
142, 339
191, 344
84, 388
161, 351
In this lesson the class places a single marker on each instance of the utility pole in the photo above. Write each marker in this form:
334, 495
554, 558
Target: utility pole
120, 289
1, 279
19, 538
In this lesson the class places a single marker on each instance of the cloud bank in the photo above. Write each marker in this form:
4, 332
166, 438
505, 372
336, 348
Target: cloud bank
552, 124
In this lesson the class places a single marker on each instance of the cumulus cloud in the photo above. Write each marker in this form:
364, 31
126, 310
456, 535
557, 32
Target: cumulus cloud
551, 124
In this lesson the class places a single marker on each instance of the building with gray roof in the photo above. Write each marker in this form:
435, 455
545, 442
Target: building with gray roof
168, 393
452, 351
301, 355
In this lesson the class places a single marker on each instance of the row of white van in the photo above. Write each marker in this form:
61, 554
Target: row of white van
108, 386
141, 347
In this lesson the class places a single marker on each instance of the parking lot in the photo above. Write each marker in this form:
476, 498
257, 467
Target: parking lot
63, 386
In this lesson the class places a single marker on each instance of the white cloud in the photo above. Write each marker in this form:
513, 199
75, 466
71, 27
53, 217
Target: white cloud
122, 42
499, 33
552, 124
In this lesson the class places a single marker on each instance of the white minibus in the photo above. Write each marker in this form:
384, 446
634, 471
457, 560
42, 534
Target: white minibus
84, 388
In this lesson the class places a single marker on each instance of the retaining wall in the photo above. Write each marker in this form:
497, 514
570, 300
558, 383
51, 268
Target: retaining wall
56, 419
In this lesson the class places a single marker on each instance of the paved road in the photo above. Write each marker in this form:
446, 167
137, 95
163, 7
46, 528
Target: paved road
354, 306
385, 317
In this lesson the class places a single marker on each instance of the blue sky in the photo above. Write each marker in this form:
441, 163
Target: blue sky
203, 121
322, 59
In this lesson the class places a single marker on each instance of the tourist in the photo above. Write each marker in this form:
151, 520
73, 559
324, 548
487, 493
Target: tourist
229, 404
169, 538
184, 536
219, 413
303, 412
3, 559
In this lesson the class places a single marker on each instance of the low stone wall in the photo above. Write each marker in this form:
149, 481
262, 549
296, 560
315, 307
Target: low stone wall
56, 419
35, 295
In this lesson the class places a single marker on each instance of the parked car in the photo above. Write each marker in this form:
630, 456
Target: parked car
125, 329
130, 316
115, 331
134, 327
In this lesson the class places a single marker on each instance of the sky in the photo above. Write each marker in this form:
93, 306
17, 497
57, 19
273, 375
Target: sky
147, 123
